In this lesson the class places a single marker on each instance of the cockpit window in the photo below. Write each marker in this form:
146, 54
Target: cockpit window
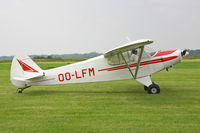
114, 60
117, 59
127, 56
131, 56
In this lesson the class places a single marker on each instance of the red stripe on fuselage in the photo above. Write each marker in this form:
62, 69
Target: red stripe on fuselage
161, 53
141, 64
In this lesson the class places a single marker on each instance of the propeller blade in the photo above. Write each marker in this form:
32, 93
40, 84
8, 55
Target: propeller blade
184, 52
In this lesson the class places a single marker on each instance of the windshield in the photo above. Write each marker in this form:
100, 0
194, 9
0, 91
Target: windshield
150, 50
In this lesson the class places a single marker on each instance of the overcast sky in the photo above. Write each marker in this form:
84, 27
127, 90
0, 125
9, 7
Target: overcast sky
82, 26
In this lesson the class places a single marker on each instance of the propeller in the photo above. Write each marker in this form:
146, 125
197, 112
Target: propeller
184, 52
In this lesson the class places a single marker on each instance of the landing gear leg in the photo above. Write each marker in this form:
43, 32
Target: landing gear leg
20, 90
149, 86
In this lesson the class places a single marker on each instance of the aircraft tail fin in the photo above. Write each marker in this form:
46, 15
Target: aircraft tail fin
22, 69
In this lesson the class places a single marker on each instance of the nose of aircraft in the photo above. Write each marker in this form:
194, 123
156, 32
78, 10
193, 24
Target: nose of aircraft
172, 57
181, 53
175, 56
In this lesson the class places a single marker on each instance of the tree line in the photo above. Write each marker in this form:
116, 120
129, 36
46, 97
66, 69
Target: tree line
78, 55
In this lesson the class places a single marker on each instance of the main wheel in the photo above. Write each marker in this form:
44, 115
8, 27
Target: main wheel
153, 89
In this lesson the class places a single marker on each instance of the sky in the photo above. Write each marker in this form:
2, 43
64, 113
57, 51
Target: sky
83, 26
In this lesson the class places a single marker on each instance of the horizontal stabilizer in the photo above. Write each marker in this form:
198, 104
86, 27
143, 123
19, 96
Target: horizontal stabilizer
35, 76
19, 79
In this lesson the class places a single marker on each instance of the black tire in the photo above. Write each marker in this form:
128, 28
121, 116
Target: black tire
153, 89
145, 88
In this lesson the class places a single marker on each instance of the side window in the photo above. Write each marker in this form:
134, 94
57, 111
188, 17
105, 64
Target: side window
114, 60
130, 56
127, 56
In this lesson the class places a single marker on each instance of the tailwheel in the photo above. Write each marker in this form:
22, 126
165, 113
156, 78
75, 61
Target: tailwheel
153, 89
20, 90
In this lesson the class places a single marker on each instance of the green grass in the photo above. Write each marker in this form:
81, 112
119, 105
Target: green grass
191, 57
114, 106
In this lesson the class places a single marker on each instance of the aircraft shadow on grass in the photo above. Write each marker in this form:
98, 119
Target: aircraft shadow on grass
53, 92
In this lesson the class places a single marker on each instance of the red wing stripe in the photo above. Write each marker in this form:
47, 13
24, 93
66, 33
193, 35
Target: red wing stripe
26, 67
141, 64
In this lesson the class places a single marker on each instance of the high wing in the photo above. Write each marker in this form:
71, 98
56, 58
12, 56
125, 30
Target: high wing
129, 46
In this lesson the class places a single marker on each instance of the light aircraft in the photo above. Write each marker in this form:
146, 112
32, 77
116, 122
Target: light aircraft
113, 65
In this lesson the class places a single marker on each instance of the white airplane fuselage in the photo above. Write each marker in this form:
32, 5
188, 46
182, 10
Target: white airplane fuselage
98, 69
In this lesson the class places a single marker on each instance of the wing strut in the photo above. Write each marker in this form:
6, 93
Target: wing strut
138, 63
139, 59
127, 65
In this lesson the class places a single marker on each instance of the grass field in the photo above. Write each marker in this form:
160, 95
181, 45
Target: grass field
112, 107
